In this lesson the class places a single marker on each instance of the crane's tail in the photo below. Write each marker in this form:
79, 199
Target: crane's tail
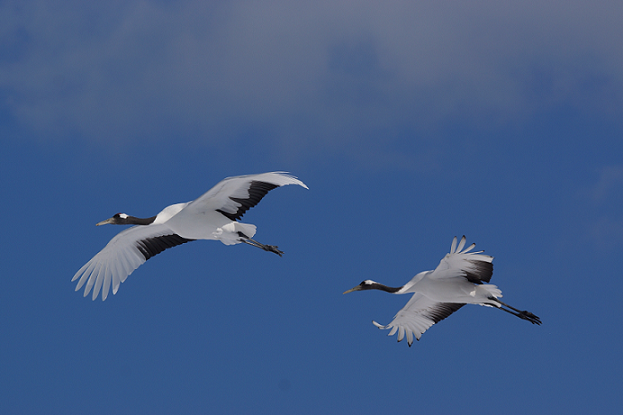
490, 292
229, 234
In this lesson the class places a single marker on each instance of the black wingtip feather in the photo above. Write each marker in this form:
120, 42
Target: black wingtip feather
481, 272
257, 190
150, 247
442, 311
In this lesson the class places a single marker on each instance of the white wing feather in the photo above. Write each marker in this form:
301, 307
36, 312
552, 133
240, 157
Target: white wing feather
119, 258
417, 316
459, 263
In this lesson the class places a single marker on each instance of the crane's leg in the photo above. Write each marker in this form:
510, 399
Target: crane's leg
525, 315
252, 242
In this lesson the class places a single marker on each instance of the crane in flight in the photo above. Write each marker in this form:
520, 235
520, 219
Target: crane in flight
214, 215
459, 279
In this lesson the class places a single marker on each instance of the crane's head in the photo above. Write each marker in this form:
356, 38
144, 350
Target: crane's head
365, 285
118, 219
124, 219
373, 285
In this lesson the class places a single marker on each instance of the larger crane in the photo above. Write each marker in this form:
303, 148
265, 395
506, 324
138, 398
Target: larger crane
214, 215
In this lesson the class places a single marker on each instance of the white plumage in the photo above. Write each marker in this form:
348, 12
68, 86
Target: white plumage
459, 279
213, 216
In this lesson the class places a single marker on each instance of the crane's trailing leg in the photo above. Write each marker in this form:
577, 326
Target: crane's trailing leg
522, 314
252, 242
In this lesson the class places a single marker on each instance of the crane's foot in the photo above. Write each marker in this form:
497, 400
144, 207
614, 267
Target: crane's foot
252, 242
526, 315
272, 248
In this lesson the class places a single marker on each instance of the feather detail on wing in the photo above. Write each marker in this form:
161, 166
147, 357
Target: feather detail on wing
122, 255
233, 196
417, 316
474, 266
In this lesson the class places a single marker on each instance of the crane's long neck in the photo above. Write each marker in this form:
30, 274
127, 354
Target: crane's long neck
132, 220
373, 285
382, 287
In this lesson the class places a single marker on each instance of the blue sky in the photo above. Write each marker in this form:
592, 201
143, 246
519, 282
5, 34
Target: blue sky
411, 122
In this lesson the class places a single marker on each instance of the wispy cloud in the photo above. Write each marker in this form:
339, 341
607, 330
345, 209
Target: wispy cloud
609, 186
322, 72
603, 212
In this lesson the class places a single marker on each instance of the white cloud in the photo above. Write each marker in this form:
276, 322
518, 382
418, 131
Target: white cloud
321, 70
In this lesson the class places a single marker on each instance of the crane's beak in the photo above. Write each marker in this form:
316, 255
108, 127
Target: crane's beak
357, 288
104, 222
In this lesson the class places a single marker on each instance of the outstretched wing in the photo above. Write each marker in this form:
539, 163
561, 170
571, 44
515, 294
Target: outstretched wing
233, 196
474, 266
417, 316
122, 255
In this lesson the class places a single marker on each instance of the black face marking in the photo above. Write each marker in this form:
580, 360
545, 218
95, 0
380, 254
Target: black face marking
257, 190
153, 246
